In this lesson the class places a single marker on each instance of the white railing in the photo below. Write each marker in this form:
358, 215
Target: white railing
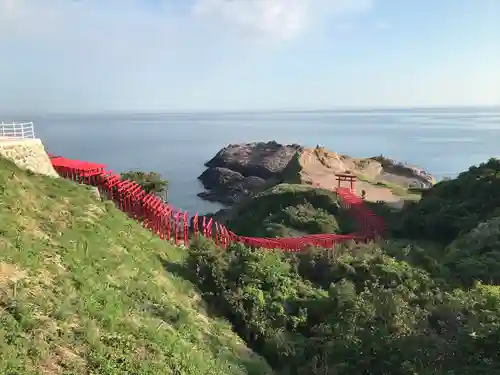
17, 130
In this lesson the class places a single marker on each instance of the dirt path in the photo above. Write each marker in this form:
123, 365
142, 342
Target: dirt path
316, 172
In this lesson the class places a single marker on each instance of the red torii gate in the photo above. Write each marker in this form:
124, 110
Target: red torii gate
347, 177
75, 169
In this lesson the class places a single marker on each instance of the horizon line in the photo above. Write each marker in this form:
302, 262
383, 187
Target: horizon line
262, 110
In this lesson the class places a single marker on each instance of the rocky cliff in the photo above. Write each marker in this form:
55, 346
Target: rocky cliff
243, 170
27, 154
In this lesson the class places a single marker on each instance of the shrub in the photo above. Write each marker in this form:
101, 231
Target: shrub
455, 206
151, 182
358, 311
289, 209
476, 255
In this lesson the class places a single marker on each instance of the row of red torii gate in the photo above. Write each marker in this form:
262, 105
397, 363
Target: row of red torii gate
169, 223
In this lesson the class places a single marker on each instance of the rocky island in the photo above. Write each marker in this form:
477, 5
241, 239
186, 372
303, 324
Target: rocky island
243, 170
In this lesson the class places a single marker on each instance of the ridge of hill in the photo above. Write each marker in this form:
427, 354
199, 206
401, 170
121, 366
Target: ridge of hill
84, 290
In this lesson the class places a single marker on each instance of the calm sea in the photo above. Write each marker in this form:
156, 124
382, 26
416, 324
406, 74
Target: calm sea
442, 141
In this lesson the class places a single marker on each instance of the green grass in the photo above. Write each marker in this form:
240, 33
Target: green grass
400, 191
288, 210
84, 290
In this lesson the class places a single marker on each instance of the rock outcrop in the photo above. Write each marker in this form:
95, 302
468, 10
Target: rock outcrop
415, 177
241, 170
227, 186
28, 153
260, 159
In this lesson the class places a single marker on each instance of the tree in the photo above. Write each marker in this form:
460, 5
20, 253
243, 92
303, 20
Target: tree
151, 182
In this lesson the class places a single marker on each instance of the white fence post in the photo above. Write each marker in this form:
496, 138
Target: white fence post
17, 130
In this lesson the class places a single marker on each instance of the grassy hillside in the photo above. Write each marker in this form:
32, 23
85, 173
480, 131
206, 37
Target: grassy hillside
84, 290
289, 210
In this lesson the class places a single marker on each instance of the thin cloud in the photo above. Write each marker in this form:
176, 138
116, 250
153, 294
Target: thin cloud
279, 19
117, 29
97, 19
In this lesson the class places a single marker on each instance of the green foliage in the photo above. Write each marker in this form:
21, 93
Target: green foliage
84, 290
151, 182
476, 254
362, 264
358, 311
397, 307
455, 206
289, 210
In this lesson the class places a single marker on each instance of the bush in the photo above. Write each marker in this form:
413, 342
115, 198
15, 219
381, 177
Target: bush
475, 256
364, 265
400, 307
151, 182
289, 210
455, 206
358, 311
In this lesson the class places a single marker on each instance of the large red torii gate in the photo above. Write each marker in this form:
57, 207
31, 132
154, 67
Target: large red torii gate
346, 177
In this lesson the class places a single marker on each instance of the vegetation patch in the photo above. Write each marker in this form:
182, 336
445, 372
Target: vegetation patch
455, 206
426, 300
84, 290
358, 310
289, 210
410, 194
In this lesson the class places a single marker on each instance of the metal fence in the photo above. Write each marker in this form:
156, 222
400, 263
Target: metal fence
17, 130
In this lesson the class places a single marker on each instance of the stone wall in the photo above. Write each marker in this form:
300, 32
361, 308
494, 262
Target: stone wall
29, 154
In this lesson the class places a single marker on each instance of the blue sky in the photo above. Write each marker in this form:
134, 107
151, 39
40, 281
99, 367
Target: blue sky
170, 55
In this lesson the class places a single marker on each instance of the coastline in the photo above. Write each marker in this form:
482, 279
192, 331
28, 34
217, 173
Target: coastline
182, 144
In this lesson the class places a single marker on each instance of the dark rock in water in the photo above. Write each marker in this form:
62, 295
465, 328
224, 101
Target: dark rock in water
227, 186
261, 159
217, 177
242, 170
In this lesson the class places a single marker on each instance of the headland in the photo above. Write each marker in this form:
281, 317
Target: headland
243, 170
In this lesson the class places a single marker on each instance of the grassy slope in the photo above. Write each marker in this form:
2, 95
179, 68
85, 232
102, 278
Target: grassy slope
289, 210
83, 290
399, 190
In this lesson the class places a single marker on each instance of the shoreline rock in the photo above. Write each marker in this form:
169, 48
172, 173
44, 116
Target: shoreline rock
241, 170
227, 186
260, 159
421, 179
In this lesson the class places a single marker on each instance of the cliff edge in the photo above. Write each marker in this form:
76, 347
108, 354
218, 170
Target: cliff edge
28, 153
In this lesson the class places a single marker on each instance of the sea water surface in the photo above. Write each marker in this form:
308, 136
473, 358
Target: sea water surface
442, 141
